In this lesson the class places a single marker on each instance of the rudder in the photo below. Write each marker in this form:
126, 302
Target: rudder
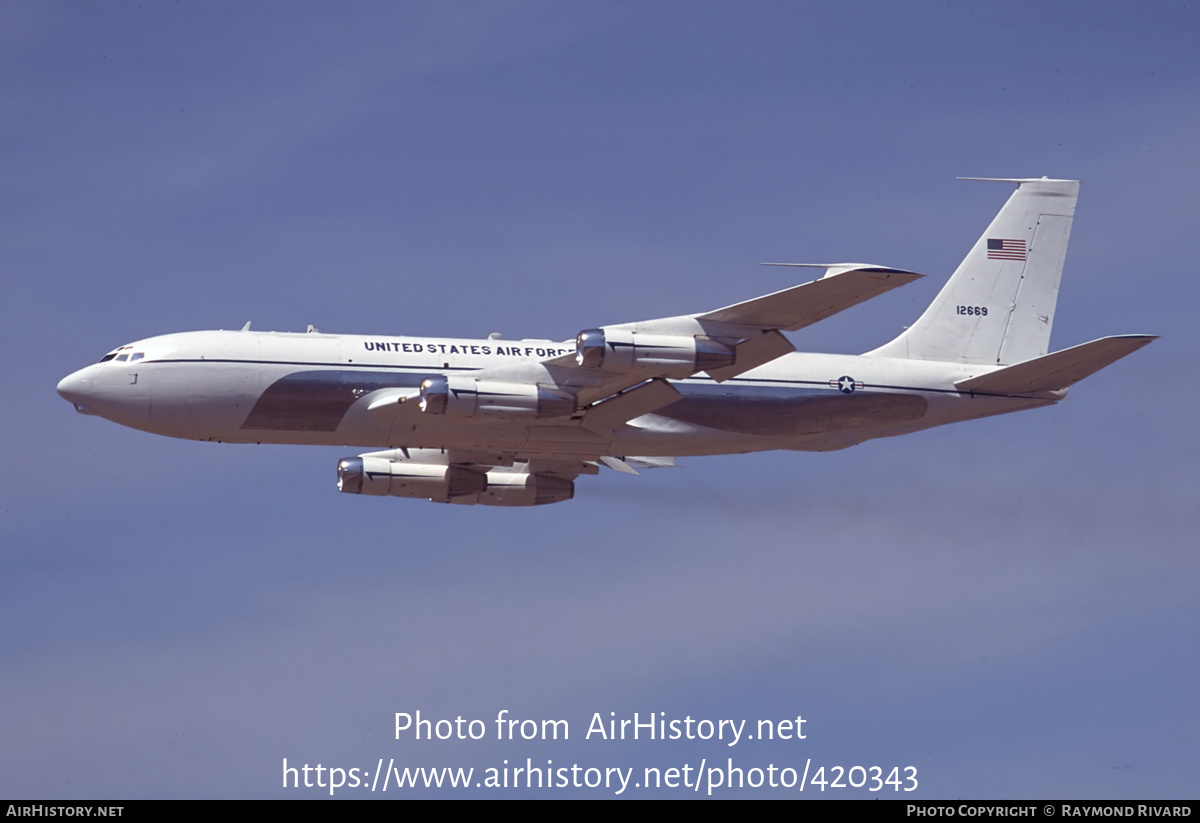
998, 306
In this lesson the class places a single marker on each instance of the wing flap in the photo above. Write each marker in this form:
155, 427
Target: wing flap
753, 353
649, 396
1057, 371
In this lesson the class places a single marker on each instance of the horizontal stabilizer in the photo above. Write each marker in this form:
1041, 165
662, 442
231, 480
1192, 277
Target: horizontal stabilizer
843, 286
1053, 372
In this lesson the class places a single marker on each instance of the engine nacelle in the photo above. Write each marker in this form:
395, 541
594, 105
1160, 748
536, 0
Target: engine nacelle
458, 396
618, 349
379, 476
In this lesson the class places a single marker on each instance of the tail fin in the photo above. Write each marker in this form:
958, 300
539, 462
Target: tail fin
998, 306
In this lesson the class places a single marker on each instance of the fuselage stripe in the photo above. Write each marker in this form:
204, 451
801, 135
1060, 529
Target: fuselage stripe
767, 382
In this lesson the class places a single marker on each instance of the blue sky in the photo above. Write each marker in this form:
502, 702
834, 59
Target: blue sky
1009, 605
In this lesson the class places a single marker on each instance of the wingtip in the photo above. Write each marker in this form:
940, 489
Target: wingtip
1020, 180
841, 268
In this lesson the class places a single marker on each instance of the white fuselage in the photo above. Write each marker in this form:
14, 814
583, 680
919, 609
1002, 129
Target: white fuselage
515, 422
270, 387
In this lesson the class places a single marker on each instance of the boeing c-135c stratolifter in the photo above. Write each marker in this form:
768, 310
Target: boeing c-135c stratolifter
514, 422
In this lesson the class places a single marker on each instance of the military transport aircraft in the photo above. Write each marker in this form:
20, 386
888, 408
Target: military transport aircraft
514, 422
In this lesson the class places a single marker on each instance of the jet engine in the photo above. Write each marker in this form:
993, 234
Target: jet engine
618, 349
378, 474
458, 396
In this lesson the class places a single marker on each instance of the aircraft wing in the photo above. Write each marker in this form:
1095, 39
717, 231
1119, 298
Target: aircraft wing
620, 372
843, 286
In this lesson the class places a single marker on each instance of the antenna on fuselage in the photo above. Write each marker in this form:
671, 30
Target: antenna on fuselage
247, 326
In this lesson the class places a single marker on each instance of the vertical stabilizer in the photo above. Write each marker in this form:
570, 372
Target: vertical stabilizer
998, 306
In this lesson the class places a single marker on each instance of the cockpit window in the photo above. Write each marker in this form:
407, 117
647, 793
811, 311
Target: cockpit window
122, 355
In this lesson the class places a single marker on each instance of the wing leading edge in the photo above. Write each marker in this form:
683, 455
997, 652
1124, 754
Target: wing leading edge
843, 285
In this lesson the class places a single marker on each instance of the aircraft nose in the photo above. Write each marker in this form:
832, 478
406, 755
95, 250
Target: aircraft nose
76, 389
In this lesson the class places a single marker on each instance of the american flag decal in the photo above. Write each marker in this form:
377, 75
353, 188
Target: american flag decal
1005, 249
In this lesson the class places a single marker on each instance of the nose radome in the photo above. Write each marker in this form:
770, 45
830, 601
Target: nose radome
75, 388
